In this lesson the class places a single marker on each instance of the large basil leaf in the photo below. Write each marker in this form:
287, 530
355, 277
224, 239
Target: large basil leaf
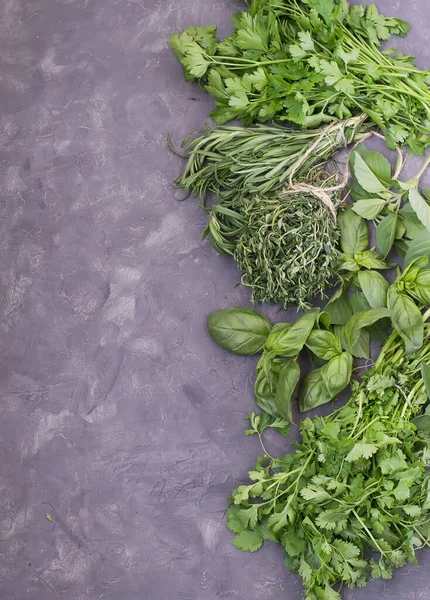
339, 308
374, 287
337, 373
376, 162
287, 383
354, 234
421, 207
323, 344
420, 246
386, 233
240, 330
365, 177
406, 318
361, 349
322, 385
359, 302
290, 341
360, 320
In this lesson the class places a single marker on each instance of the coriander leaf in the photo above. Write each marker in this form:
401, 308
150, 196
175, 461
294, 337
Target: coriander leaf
248, 541
348, 57
306, 41
314, 494
361, 450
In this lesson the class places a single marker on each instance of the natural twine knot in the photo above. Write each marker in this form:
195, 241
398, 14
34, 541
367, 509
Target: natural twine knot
319, 192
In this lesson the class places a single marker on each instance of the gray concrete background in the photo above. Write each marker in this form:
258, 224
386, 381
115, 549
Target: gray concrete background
118, 415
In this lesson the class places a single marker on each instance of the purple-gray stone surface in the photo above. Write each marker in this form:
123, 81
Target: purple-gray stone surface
119, 417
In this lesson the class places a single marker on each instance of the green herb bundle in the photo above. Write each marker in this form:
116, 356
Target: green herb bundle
282, 233
356, 483
286, 249
309, 62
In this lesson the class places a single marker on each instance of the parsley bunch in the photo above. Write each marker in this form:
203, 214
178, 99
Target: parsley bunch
356, 484
310, 62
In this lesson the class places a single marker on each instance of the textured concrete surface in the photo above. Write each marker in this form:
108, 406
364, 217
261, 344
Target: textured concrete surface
118, 415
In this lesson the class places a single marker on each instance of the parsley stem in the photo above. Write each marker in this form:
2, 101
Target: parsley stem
357, 516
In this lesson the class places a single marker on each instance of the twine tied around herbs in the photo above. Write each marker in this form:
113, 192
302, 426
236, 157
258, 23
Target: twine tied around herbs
320, 192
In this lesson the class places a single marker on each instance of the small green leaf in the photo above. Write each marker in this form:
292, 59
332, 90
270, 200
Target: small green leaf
361, 450
421, 207
372, 260
49, 517
369, 208
386, 233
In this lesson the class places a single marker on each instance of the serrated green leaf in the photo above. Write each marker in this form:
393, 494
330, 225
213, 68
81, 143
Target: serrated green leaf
248, 541
369, 208
361, 450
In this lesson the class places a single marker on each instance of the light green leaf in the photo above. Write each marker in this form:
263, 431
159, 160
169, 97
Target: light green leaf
290, 342
376, 162
420, 246
354, 234
365, 176
323, 344
287, 383
421, 207
374, 287
369, 208
386, 233
361, 450
425, 374
348, 57
362, 319
306, 41
406, 318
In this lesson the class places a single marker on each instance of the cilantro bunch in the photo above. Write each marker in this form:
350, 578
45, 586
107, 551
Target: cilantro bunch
352, 502
310, 62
